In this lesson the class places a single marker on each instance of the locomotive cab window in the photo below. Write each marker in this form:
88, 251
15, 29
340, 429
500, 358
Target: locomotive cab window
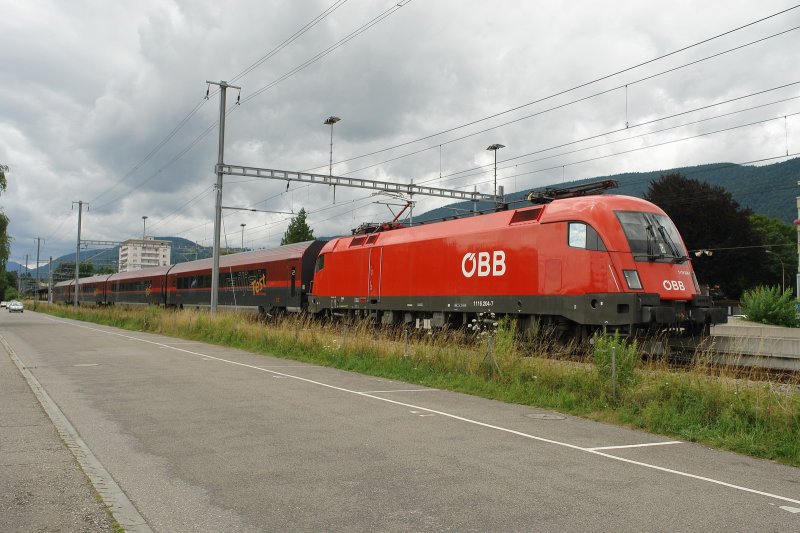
652, 237
320, 263
581, 235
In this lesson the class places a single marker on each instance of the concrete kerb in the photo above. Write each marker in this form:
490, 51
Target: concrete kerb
122, 509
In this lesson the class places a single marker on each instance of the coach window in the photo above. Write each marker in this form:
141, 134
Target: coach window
581, 235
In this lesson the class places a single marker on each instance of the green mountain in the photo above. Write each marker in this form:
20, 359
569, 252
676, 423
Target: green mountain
182, 250
769, 190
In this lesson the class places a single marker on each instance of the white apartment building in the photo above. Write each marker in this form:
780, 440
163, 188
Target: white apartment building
136, 254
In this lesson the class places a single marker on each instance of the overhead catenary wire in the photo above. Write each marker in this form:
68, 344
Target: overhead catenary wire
565, 91
570, 103
464, 173
316, 20
388, 12
670, 54
311, 213
202, 101
232, 108
665, 143
355, 33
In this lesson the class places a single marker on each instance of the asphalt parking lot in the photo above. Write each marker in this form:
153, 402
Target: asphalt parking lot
206, 438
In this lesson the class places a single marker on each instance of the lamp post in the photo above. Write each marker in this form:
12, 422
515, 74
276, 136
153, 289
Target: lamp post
783, 270
243, 225
144, 226
494, 148
331, 120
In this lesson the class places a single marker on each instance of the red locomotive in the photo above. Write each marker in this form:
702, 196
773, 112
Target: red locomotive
580, 263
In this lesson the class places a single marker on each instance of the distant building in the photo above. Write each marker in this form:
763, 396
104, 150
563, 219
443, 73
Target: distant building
136, 254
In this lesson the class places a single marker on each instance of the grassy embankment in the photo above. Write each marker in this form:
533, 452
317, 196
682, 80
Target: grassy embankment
698, 404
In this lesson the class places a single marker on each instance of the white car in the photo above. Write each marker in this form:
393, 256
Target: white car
15, 307
3, 305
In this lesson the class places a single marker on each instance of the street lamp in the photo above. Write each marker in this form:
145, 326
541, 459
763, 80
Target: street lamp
783, 270
144, 226
332, 120
243, 225
495, 148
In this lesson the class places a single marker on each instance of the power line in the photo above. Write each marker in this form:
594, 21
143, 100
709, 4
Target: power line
355, 33
561, 106
665, 143
155, 150
457, 175
211, 127
316, 20
197, 107
599, 79
565, 91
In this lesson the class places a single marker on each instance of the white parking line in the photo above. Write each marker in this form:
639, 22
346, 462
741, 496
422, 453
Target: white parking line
454, 417
398, 390
635, 445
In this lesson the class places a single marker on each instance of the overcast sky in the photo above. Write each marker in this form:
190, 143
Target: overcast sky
90, 90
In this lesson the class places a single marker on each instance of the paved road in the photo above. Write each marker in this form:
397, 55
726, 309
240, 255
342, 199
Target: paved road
204, 438
42, 488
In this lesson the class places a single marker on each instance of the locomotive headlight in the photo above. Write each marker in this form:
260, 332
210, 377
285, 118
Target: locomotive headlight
632, 279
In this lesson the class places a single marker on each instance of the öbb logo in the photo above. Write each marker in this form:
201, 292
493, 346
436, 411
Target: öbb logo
673, 285
484, 264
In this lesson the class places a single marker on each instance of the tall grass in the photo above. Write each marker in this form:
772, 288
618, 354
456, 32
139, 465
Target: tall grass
702, 403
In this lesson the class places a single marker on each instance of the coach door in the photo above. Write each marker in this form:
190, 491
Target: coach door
374, 273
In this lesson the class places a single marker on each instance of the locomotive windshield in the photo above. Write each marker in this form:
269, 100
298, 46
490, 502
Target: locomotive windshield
652, 237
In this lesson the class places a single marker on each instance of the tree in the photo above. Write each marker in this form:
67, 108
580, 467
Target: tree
66, 271
780, 239
298, 230
708, 218
10, 286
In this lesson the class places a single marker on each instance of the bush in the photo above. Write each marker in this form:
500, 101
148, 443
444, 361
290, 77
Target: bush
627, 355
768, 306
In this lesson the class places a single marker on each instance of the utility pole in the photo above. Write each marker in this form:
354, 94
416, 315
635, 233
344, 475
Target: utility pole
77, 253
38, 242
27, 271
50, 281
797, 223
223, 86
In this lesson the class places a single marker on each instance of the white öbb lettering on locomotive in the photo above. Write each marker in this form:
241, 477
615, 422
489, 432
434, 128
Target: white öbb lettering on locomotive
673, 285
484, 264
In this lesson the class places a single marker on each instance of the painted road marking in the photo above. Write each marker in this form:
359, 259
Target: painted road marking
452, 416
397, 390
635, 445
